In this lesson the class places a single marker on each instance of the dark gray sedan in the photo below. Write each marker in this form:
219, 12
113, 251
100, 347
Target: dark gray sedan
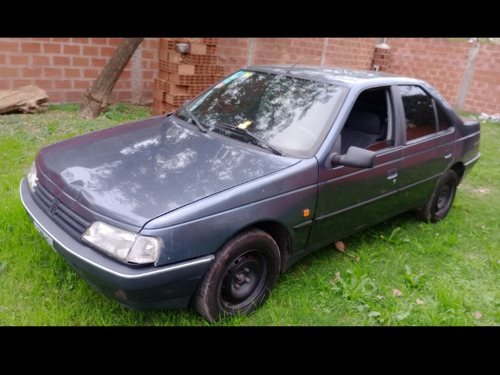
209, 204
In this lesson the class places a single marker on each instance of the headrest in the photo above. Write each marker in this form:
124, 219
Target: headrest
364, 122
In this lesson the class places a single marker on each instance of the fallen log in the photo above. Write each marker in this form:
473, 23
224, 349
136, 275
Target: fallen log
26, 99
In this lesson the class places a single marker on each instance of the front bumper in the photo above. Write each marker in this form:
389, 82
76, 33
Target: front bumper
140, 288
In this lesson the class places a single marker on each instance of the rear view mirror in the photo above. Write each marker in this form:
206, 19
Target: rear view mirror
354, 157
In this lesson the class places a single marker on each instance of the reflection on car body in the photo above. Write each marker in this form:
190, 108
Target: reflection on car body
209, 204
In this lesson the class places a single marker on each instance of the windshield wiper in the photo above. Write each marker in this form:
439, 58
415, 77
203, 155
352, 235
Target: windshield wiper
198, 123
255, 140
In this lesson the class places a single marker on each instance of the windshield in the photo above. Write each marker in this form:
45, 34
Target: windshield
288, 114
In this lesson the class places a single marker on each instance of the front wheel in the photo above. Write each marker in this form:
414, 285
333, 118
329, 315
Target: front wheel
441, 200
240, 278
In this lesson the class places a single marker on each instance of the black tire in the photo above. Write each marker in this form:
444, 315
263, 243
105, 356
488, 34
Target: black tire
441, 200
240, 278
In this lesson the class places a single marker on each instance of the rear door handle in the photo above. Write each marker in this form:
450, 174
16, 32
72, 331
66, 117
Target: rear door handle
392, 174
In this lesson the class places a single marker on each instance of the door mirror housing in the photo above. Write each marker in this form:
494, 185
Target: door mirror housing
354, 157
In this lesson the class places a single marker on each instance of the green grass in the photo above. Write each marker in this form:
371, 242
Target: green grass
399, 273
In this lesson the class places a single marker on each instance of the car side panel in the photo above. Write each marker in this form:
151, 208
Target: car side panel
350, 199
287, 198
424, 162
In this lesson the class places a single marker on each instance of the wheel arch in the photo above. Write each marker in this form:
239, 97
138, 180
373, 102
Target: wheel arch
279, 234
459, 169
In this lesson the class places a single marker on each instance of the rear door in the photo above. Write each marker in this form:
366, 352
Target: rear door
429, 144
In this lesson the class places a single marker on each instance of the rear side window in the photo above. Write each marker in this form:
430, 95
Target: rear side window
423, 116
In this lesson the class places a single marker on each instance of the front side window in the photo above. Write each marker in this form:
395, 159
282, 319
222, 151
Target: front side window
292, 115
423, 117
369, 123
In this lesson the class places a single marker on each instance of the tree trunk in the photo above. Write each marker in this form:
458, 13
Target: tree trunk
96, 98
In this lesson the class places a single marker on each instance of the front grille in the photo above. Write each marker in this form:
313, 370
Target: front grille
69, 220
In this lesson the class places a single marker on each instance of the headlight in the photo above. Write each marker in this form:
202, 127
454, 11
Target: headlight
121, 244
31, 177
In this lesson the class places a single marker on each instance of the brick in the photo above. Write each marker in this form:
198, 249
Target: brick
31, 47
57, 97
44, 84
82, 84
91, 73
170, 67
115, 42
6, 84
97, 62
32, 72
170, 88
81, 61
90, 51
61, 60
166, 44
6, 72
72, 73
186, 58
51, 48
194, 80
19, 60
69, 49
53, 72
107, 52
21, 82
7, 46
210, 41
80, 40
99, 41
40, 60
198, 49
62, 84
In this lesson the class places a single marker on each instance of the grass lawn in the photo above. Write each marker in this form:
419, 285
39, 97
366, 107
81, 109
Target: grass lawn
399, 273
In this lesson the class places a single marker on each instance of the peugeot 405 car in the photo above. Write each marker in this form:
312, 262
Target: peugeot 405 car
209, 204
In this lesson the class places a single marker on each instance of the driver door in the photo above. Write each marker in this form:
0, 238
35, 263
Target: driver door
350, 199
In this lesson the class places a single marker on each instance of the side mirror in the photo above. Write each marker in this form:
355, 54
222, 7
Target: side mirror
355, 157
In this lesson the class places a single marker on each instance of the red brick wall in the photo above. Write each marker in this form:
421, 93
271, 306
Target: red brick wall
356, 53
66, 67
484, 91
442, 62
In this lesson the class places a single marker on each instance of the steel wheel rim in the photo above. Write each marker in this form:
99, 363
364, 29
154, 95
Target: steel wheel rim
244, 280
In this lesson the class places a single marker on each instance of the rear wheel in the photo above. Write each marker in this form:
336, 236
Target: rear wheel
240, 278
441, 200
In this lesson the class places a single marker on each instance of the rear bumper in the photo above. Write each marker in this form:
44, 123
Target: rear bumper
140, 288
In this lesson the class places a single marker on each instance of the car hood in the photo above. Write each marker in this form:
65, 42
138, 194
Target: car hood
136, 172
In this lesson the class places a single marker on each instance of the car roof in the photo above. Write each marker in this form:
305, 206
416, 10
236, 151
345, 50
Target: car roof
335, 75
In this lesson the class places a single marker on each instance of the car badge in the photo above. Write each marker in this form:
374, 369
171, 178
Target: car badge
53, 207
